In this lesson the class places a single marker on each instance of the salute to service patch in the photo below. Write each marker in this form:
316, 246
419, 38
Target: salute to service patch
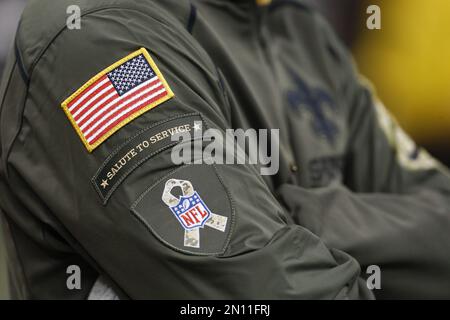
116, 96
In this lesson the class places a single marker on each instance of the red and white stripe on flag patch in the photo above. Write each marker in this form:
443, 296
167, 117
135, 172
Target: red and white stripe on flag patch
116, 96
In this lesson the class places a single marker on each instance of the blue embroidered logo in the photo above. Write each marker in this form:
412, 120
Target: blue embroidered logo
191, 211
313, 100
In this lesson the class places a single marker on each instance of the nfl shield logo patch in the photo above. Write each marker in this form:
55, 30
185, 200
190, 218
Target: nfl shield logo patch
187, 214
191, 212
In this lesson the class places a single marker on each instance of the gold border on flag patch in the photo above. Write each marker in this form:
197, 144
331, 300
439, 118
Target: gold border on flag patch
116, 96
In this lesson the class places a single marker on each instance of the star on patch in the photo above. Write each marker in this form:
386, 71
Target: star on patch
104, 184
197, 126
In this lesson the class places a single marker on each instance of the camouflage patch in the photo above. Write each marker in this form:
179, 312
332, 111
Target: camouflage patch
190, 210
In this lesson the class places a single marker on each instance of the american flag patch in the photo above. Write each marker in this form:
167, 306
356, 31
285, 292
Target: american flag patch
116, 96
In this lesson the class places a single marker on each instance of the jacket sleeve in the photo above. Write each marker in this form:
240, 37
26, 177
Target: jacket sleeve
131, 235
393, 209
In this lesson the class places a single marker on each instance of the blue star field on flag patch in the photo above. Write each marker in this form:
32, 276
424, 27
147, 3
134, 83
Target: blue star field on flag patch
131, 74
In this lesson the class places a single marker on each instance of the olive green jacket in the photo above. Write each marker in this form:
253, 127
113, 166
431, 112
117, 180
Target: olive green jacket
352, 190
